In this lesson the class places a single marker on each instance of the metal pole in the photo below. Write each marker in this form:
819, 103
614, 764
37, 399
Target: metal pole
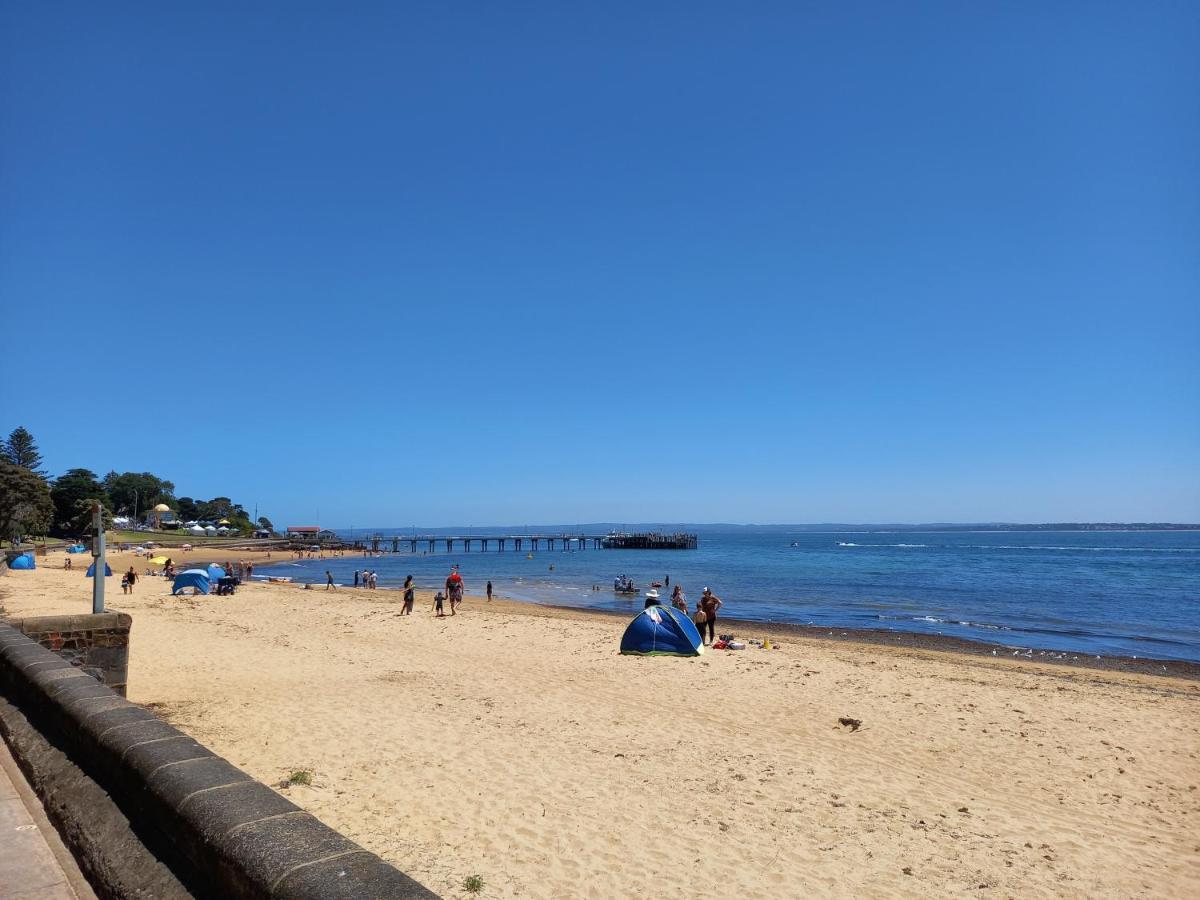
98, 557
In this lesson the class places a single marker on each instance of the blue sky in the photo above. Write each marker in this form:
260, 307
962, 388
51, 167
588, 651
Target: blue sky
471, 263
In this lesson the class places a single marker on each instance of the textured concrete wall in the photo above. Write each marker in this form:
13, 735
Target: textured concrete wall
96, 643
240, 838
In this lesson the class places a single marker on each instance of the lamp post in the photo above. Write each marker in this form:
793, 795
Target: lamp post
99, 566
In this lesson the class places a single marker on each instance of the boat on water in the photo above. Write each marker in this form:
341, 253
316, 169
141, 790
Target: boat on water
623, 584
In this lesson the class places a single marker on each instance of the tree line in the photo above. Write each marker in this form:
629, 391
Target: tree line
32, 504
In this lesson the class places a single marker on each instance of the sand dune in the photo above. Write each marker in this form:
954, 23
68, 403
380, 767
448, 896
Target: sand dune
515, 743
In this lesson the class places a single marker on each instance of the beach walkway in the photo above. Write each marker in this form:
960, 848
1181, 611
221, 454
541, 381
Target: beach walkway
34, 864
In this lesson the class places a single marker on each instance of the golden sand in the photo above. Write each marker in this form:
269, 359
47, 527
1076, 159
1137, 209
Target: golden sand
515, 743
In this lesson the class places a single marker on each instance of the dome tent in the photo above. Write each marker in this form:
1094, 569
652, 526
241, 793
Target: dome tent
661, 631
24, 561
191, 578
215, 572
91, 572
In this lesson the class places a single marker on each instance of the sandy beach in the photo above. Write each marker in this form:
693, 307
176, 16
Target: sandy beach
515, 743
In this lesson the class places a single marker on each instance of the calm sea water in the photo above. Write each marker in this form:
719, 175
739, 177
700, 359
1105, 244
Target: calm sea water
1115, 593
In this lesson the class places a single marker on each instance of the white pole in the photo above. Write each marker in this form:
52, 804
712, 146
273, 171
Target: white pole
98, 557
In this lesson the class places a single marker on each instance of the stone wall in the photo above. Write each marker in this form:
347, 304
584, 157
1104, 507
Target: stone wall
234, 837
97, 643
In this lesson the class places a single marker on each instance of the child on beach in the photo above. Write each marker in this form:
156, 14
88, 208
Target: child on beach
438, 599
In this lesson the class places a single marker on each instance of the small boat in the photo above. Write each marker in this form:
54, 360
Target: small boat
656, 584
624, 585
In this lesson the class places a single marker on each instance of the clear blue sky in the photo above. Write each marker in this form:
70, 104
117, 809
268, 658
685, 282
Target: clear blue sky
440, 263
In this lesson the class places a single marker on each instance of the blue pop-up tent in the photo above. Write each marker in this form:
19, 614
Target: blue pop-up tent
661, 631
91, 572
191, 578
215, 572
77, 548
24, 561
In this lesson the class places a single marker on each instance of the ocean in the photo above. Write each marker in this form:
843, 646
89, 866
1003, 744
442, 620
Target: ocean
1126, 593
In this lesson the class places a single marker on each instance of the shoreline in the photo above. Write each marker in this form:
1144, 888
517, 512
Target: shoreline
910, 640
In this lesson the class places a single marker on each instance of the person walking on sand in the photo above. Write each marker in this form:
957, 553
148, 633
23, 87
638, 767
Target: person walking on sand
329, 585
131, 577
409, 596
489, 591
710, 603
454, 590
438, 599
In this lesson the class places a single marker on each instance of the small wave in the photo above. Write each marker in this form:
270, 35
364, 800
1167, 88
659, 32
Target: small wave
910, 545
846, 544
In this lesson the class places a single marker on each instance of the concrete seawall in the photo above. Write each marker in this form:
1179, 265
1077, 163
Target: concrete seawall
240, 838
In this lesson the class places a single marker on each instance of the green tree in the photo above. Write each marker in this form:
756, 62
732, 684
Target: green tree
82, 521
136, 492
25, 504
187, 509
20, 449
264, 522
67, 490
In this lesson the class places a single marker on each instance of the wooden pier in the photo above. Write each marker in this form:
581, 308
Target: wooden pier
431, 543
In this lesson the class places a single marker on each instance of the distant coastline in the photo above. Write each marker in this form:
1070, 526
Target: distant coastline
830, 527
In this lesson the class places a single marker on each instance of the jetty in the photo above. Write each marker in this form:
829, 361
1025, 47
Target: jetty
431, 543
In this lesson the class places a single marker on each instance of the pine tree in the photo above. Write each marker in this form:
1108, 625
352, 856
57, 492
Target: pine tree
21, 450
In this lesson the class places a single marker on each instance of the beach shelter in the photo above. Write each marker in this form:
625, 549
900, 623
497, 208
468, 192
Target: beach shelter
661, 631
215, 572
160, 560
91, 572
24, 561
191, 578
77, 548
210, 531
196, 529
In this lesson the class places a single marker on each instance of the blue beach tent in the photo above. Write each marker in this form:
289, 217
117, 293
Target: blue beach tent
24, 561
215, 572
661, 631
77, 548
91, 572
191, 578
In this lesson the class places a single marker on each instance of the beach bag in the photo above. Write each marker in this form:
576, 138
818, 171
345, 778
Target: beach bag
699, 618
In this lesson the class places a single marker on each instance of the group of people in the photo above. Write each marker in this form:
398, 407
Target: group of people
366, 578
705, 615
454, 593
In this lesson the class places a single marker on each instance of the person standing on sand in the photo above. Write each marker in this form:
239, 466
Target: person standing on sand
329, 586
710, 603
454, 590
489, 591
409, 597
678, 600
356, 577
438, 599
